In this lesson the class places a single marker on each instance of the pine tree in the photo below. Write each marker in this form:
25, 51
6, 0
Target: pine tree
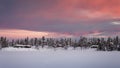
4, 42
26, 41
43, 41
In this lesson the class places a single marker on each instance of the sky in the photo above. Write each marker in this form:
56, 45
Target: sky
99, 18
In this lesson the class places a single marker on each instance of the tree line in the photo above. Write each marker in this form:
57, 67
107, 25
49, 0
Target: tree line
104, 44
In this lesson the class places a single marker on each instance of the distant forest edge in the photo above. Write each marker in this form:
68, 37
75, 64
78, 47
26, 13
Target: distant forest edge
101, 44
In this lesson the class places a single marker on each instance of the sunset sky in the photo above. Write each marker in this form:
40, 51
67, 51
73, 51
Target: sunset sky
59, 17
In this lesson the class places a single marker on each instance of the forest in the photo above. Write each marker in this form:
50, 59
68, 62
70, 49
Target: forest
104, 44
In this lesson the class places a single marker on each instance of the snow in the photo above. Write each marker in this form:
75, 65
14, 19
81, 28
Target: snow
58, 58
18, 49
21, 45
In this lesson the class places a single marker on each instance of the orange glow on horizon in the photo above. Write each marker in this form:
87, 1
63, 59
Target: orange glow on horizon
15, 33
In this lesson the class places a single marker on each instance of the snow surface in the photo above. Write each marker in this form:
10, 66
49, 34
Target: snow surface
18, 49
58, 58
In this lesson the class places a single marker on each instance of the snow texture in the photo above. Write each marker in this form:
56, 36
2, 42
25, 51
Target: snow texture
58, 58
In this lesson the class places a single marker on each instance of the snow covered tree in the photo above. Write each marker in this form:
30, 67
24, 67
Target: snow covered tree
35, 41
3, 42
43, 41
26, 41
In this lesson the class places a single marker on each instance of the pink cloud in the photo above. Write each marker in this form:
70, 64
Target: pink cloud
77, 10
17, 33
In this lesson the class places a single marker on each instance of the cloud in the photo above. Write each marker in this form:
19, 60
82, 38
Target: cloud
17, 34
76, 17
116, 23
67, 10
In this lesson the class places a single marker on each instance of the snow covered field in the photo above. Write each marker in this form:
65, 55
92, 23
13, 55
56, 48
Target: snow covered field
58, 58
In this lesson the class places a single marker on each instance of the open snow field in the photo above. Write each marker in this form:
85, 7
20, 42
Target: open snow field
58, 58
